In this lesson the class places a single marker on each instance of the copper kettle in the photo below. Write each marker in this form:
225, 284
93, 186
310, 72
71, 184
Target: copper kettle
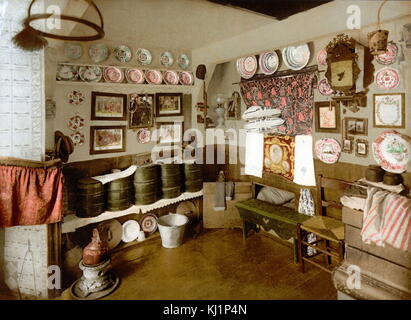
96, 251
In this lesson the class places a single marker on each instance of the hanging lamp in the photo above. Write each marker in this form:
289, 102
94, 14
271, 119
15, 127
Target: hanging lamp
378, 39
32, 39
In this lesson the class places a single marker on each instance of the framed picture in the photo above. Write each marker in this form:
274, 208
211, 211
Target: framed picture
170, 132
107, 139
389, 110
141, 111
361, 148
348, 144
169, 104
327, 117
234, 106
356, 126
108, 106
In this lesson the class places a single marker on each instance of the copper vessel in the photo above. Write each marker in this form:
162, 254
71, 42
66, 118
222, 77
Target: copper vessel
96, 251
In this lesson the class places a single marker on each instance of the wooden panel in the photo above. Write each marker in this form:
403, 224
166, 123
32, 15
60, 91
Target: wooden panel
353, 239
352, 217
380, 269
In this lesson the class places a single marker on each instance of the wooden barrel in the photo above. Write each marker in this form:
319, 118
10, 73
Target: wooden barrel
120, 194
169, 169
193, 185
172, 180
90, 198
169, 193
146, 173
193, 176
146, 184
146, 198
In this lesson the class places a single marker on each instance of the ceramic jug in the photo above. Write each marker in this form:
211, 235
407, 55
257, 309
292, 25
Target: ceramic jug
96, 251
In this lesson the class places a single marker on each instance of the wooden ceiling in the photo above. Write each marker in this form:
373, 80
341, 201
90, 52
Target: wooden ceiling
279, 9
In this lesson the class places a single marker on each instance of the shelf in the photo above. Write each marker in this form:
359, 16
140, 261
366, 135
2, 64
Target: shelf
72, 222
112, 84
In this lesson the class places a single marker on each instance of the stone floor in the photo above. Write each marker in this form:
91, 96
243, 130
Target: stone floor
216, 265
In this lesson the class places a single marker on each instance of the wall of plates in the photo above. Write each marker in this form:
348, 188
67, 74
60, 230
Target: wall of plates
391, 79
76, 70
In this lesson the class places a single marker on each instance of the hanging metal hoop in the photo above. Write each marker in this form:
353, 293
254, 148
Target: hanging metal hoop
98, 28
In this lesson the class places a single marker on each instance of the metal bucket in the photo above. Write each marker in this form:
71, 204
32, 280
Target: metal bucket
172, 227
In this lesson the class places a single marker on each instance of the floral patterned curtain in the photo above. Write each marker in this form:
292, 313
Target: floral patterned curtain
294, 95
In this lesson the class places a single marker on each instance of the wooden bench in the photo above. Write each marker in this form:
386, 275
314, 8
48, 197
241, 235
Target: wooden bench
283, 220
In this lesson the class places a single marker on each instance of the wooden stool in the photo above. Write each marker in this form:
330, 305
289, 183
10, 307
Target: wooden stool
326, 230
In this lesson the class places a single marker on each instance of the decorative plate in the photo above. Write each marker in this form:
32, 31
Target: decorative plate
154, 77
130, 230
322, 57
149, 223
76, 97
67, 72
144, 56
134, 76
387, 78
73, 50
247, 66
389, 56
324, 88
113, 74
76, 122
111, 231
391, 150
77, 138
98, 52
186, 78
122, 53
166, 59
183, 61
90, 73
296, 57
269, 62
328, 150
143, 135
171, 77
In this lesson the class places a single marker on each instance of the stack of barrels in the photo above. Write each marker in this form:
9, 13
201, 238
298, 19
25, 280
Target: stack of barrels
90, 198
171, 180
146, 184
193, 177
120, 194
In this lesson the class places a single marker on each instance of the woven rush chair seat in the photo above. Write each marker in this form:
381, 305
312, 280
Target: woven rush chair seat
326, 227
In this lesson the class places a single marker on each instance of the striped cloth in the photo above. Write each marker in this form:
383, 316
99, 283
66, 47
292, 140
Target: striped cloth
387, 219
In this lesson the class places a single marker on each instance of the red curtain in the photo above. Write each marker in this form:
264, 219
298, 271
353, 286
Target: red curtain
30, 196
293, 95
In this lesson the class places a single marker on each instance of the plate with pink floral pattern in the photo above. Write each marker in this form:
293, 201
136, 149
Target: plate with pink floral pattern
324, 88
387, 78
113, 74
154, 77
328, 150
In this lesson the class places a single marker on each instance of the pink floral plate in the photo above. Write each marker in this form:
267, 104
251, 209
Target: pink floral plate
186, 78
76, 97
389, 56
113, 74
77, 138
171, 77
328, 150
135, 76
324, 88
76, 122
247, 66
391, 150
154, 77
322, 57
387, 78
143, 135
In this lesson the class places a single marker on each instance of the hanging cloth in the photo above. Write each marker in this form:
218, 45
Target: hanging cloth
293, 95
30, 196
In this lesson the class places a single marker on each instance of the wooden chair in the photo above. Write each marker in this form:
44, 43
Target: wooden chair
326, 229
